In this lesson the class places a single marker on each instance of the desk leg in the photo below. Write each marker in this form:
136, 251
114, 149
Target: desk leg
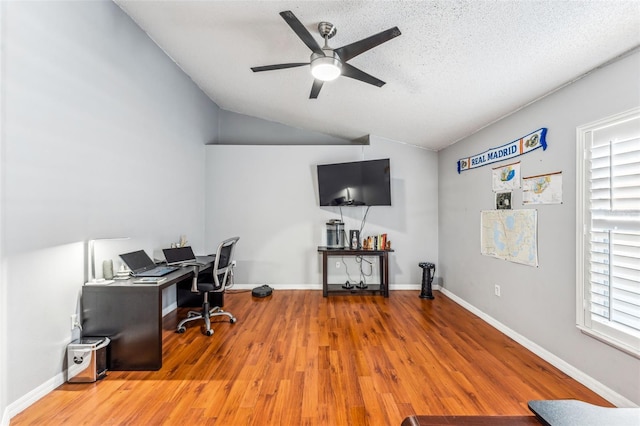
325, 283
384, 273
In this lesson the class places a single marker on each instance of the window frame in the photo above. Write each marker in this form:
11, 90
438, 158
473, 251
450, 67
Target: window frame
606, 333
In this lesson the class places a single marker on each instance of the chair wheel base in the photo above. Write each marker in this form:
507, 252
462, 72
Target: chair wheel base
209, 332
181, 330
232, 320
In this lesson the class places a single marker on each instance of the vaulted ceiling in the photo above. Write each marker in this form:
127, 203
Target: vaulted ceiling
458, 66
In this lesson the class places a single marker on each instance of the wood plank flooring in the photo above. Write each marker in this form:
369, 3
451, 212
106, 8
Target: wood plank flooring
297, 358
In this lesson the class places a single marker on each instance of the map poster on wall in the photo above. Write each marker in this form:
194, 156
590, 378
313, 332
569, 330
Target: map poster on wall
506, 178
510, 235
542, 189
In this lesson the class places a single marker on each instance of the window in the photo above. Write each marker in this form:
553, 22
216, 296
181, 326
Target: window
608, 230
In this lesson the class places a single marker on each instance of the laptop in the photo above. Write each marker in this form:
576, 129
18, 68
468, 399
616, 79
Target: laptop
141, 265
183, 256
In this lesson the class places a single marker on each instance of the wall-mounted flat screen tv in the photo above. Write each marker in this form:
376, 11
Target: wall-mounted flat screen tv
359, 183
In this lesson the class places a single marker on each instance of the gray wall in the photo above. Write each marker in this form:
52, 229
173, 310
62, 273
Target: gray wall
239, 129
95, 117
538, 303
268, 196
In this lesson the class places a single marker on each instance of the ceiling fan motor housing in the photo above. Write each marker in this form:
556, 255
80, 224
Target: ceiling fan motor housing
327, 29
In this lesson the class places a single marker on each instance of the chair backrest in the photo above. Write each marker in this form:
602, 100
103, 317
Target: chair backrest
223, 264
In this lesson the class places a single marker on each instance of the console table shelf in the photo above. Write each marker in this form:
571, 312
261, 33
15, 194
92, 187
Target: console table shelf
336, 289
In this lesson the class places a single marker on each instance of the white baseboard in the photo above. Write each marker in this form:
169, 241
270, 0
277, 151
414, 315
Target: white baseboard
172, 307
318, 286
576, 374
25, 401
408, 287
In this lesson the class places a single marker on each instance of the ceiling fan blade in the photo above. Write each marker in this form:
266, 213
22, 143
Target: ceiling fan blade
353, 72
301, 31
315, 89
354, 49
278, 66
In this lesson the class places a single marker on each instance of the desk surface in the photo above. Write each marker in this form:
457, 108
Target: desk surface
171, 278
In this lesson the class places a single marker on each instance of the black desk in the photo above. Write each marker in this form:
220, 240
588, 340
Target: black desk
131, 316
382, 288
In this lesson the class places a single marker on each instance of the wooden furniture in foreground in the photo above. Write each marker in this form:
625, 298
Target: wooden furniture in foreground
336, 289
569, 412
471, 421
559, 412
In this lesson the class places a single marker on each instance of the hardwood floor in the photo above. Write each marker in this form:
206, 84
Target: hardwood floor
297, 358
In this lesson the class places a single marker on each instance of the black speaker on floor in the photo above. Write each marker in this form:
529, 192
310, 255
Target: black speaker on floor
262, 291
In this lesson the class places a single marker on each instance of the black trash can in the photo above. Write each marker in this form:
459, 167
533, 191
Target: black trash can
428, 272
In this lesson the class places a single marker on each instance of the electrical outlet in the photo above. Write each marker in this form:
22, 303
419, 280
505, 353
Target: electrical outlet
74, 321
338, 265
497, 290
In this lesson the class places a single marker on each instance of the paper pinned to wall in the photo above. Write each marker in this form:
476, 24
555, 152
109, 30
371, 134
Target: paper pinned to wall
542, 189
506, 178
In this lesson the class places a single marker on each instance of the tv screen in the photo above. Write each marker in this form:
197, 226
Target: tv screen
359, 183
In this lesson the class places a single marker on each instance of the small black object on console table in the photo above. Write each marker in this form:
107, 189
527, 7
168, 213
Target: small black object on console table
335, 289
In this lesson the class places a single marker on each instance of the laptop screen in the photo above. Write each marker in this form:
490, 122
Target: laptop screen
137, 260
178, 255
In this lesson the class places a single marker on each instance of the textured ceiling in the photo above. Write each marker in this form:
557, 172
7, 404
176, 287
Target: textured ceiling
457, 67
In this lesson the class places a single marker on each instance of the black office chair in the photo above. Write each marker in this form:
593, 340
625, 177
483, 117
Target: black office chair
221, 279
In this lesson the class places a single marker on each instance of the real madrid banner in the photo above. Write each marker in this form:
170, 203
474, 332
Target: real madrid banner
518, 147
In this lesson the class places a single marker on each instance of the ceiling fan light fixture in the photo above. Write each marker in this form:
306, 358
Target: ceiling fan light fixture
326, 68
326, 63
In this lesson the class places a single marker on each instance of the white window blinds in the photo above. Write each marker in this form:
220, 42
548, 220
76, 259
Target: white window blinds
609, 253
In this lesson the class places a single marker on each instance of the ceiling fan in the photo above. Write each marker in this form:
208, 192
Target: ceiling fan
326, 63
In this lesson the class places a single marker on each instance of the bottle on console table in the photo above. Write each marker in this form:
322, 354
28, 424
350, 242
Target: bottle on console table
355, 239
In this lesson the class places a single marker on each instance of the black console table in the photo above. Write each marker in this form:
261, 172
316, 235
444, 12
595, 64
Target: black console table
335, 289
